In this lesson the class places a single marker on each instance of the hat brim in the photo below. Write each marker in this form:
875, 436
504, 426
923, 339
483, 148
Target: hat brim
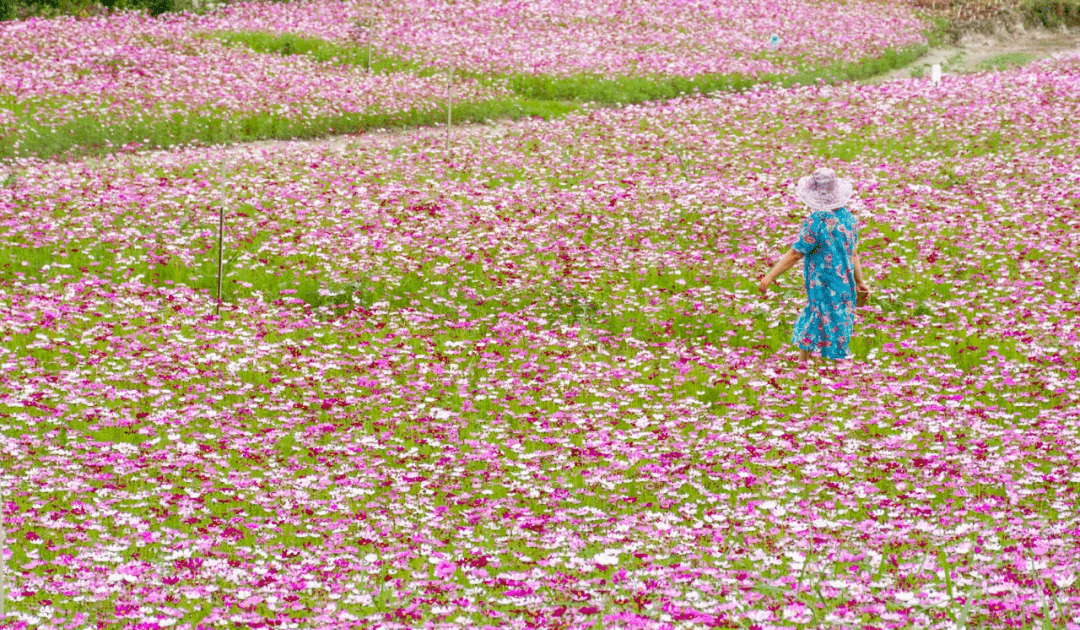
816, 201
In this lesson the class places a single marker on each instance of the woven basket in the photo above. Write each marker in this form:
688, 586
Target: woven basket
861, 297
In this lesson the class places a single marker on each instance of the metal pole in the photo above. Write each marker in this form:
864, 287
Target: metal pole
220, 242
449, 106
682, 165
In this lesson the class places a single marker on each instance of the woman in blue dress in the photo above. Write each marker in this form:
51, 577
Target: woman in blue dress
832, 274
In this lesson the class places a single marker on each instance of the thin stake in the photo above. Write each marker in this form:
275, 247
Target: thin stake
682, 164
370, 29
449, 105
220, 242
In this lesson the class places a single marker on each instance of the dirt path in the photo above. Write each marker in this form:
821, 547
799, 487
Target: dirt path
975, 52
344, 142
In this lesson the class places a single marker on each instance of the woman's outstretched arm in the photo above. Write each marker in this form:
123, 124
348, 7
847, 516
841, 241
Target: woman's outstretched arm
787, 261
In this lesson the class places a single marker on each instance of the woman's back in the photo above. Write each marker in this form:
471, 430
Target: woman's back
831, 236
832, 273
827, 240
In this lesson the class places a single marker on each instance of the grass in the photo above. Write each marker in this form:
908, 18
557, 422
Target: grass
636, 89
587, 308
954, 62
1005, 61
538, 95
584, 87
590, 311
86, 136
321, 50
509, 558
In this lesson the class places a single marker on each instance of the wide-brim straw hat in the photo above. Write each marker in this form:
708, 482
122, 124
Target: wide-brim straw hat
824, 190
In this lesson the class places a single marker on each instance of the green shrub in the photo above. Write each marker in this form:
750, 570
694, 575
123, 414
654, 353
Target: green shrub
1053, 13
157, 7
319, 50
87, 136
1007, 60
22, 9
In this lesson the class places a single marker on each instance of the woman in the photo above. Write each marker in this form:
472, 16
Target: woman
831, 272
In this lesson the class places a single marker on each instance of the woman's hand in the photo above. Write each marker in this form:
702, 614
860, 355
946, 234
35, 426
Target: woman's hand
763, 285
862, 294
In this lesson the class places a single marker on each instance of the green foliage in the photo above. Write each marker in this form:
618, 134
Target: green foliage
22, 9
86, 136
622, 89
116, 435
280, 43
321, 50
636, 89
1007, 60
31, 262
539, 95
857, 71
157, 7
941, 31
1052, 13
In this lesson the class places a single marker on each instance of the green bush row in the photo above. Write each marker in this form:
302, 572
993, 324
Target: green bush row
595, 88
636, 89
543, 96
537, 96
87, 136
22, 9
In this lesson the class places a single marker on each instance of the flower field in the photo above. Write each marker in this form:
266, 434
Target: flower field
529, 382
69, 82
564, 37
283, 70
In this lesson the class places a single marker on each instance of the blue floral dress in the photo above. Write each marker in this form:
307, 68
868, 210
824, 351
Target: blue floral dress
827, 240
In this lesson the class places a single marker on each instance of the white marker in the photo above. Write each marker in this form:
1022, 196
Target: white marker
935, 74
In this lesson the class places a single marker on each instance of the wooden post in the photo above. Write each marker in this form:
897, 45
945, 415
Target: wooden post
449, 105
220, 242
